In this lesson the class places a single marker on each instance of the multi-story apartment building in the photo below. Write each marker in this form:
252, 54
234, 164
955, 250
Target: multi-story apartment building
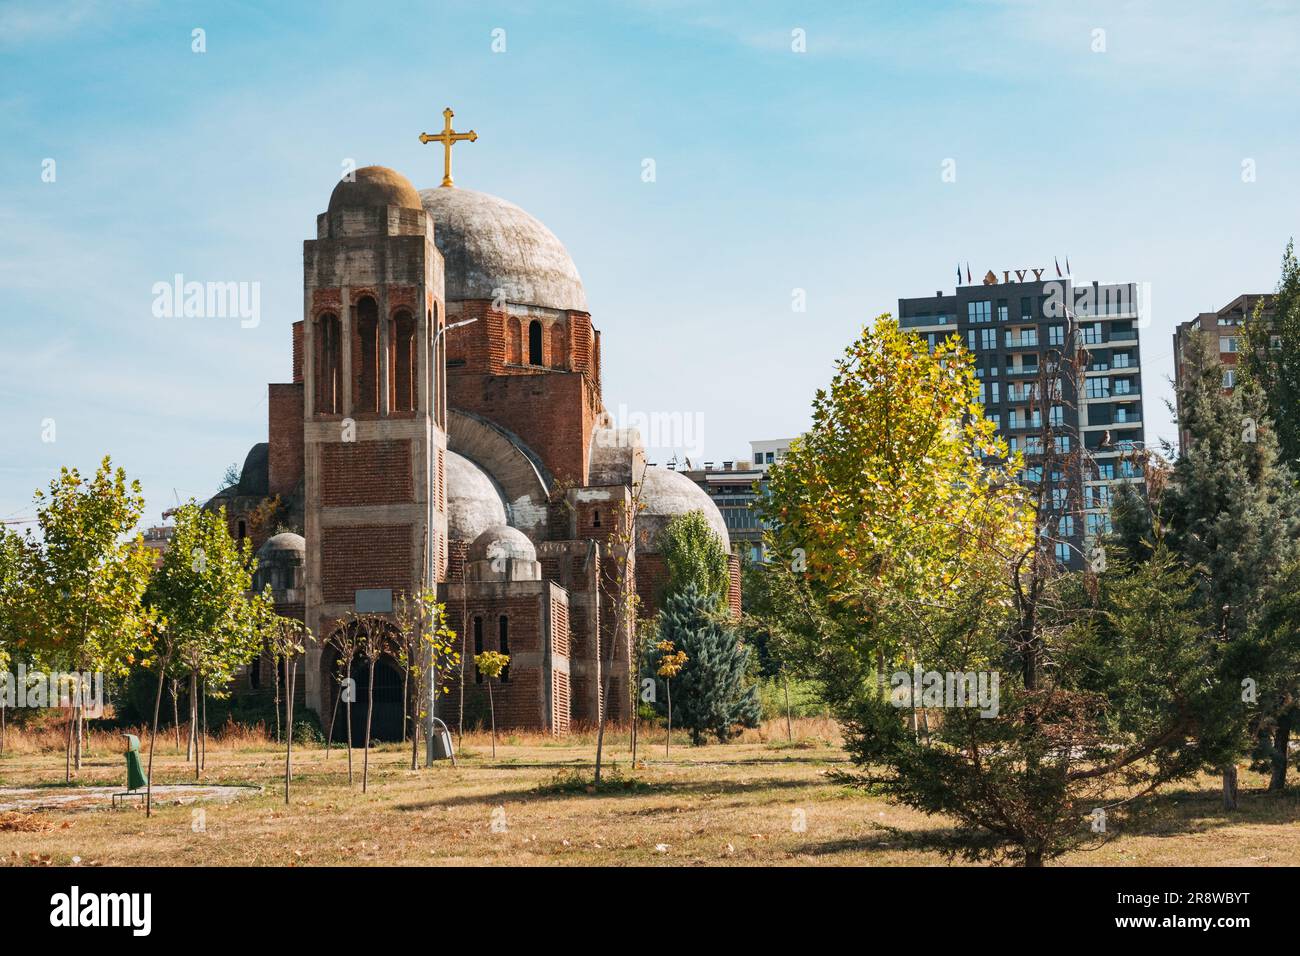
1225, 325
735, 486
1016, 329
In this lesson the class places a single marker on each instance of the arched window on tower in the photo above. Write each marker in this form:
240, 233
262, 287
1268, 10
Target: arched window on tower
328, 364
401, 362
367, 353
534, 342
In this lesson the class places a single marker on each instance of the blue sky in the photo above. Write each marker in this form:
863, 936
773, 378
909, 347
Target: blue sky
775, 171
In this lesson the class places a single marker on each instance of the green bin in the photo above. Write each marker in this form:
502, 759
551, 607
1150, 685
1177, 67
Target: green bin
135, 778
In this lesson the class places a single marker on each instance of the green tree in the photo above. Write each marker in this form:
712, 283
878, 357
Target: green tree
693, 554
426, 651
1272, 357
491, 664
16, 580
87, 580
671, 662
712, 692
915, 579
1233, 516
214, 623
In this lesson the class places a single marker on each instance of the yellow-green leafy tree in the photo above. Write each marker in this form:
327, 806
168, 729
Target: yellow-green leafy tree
492, 664
87, 577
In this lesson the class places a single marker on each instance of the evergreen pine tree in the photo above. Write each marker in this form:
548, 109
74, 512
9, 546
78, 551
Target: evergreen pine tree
1271, 357
710, 694
1233, 516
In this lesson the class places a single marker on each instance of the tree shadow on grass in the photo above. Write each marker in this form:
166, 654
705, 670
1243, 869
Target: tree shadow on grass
1174, 813
576, 786
951, 842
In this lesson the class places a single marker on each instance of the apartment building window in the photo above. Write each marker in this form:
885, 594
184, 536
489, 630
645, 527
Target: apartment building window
1229, 343
1023, 392
1097, 387
970, 340
994, 389
1062, 444
1229, 378
1121, 359
1056, 416
1066, 526
1002, 310
1105, 470
981, 311
1091, 333
1062, 552
1056, 335
988, 338
1026, 309
1097, 524
1123, 386
1059, 496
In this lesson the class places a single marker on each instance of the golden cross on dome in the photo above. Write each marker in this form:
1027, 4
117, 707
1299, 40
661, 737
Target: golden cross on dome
447, 137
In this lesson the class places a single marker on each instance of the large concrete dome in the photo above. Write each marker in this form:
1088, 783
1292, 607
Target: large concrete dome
490, 244
374, 186
473, 502
665, 494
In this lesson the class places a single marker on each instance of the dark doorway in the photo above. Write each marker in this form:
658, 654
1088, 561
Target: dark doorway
386, 725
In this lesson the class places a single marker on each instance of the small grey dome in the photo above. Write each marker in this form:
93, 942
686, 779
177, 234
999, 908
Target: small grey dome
285, 541
501, 542
665, 494
374, 186
490, 244
280, 563
473, 502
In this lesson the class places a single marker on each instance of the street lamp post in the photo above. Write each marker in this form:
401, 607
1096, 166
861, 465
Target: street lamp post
440, 390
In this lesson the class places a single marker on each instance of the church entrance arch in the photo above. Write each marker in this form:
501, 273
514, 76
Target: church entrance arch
386, 725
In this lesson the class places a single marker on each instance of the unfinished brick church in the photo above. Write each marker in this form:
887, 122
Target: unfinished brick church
444, 424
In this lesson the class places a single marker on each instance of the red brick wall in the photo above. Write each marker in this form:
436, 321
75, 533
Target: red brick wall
553, 412
733, 590
297, 352
651, 578
559, 627
366, 473
364, 557
561, 699
518, 701
285, 433
457, 555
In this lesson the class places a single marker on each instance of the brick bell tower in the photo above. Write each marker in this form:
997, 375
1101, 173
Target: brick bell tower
374, 408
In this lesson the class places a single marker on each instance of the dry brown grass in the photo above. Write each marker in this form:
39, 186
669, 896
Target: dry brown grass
51, 737
715, 805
